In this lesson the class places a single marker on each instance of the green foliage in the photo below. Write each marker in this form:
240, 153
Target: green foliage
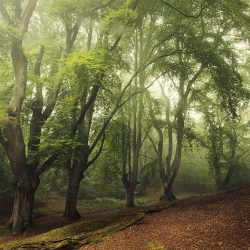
189, 135
194, 175
149, 175
118, 18
104, 178
223, 68
69, 10
52, 180
85, 67
7, 32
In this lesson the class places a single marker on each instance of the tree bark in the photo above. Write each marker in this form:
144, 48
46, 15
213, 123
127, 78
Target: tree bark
25, 188
168, 194
130, 191
72, 196
79, 166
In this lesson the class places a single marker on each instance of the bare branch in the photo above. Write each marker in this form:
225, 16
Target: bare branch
50, 107
18, 10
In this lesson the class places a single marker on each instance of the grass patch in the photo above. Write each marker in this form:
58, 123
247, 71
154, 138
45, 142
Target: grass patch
186, 195
100, 204
88, 231
55, 205
155, 246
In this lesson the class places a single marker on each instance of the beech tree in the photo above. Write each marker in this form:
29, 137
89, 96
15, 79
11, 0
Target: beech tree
198, 56
27, 167
12, 136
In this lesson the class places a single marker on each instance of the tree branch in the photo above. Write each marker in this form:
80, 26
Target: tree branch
50, 107
118, 104
88, 104
41, 169
104, 5
146, 135
27, 15
5, 14
147, 157
75, 31
38, 63
181, 12
153, 144
98, 153
194, 78
132, 6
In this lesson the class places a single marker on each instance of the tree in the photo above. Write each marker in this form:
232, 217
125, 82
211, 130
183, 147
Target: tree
225, 139
12, 138
98, 70
27, 169
197, 53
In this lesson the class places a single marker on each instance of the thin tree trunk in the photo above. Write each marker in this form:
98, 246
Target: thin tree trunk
168, 192
130, 191
218, 180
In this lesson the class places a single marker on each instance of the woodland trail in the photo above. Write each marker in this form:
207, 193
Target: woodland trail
219, 221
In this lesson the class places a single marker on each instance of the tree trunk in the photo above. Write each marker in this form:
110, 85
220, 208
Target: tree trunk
22, 211
218, 179
75, 177
21, 217
130, 191
228, 177
71, 198
168, 194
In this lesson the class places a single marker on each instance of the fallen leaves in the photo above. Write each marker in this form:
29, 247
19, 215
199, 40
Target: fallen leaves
219, 221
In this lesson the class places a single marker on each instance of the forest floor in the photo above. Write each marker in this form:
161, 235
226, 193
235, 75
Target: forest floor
216, 221
219, 221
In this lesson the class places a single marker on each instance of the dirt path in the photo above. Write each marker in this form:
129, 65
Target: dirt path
220, 221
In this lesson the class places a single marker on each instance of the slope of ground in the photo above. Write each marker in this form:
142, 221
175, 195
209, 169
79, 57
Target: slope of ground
218, 221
